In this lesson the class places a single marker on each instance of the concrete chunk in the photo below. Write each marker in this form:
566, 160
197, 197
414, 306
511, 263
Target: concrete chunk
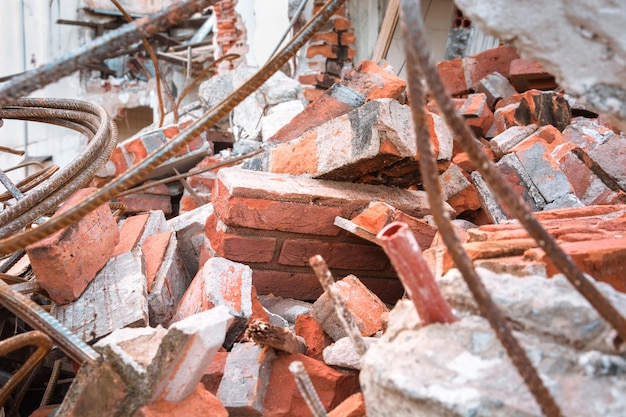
246, 378
97, 312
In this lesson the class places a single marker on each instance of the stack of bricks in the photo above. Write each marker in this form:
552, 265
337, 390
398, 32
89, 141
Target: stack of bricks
328, 54
275, 223
230, 28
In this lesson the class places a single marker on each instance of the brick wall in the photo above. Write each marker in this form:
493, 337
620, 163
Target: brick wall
329, 52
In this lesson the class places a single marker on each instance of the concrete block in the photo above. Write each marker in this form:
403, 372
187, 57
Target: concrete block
97, 312
170, 278
503, 143
278, 116
188, 227
361, 302
287, 308
496, 87
246, 377
68, 260
512, 169
220, 282
343, 354
165, 365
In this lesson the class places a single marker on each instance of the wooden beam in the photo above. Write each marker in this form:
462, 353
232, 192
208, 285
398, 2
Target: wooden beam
387, 30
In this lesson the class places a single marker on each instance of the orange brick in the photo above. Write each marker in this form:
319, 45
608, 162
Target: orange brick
214, 373
68, 260
313, 334
201, 403
283, 399
153, 251
353, 406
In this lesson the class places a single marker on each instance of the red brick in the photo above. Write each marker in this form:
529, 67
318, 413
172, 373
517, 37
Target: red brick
154, 249
248, 199
353, 406
130, 233
136, 150
228, 243
296, 157
258, 311
375, 217
118, 157
341, 23
526, 75
347, 38
364, 305
454, 72
298, 285
477, 114
328, 37
199, 404
141, 203
367, 81
66, 261
327, 51
158, 189
277, 215
313, 334
283, 398
296, 252
214, 373
312, 94
605, 260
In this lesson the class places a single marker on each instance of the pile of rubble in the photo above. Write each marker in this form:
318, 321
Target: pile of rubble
185, 296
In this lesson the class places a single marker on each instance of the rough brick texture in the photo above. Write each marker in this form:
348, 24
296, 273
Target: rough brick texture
66, 262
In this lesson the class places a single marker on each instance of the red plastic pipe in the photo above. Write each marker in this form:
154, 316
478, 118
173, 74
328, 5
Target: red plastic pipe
406, 257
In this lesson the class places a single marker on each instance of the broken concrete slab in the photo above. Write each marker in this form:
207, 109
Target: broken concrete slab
170, 279
157, 364
96, 313
462, 367
342, 353
246, 377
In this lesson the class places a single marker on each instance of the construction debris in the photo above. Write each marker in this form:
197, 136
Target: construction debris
203, 298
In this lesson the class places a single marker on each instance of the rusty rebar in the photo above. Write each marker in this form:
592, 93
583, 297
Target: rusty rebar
101, 48
516, 205
32, 313
306, 388
419, 283
171, 148
418, 59
35, 337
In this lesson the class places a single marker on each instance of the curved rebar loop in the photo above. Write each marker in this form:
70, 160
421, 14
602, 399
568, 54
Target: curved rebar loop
35, 337
87, 119
168, 150
103, 47
511, 199
416, 50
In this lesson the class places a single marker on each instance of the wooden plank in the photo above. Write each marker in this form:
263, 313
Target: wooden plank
385, 36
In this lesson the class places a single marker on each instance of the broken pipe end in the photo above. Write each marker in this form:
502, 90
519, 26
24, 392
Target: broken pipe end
406, 257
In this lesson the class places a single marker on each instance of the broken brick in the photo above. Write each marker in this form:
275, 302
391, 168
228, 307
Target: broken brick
66, 261
313, 334
199, 404
366, 308
526, 75
283, 398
